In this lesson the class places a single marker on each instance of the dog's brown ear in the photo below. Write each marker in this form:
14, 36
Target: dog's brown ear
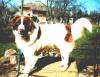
14, 20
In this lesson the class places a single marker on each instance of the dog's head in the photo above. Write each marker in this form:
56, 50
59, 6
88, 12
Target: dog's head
24, 25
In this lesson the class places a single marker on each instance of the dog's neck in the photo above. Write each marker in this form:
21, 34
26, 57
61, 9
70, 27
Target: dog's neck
35, 35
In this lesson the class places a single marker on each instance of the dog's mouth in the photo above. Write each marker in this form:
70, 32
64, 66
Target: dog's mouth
25, 36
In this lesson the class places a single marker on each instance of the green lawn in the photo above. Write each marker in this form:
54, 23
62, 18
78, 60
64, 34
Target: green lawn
5, 46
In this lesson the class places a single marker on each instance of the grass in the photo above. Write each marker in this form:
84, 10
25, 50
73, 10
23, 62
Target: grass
5, 46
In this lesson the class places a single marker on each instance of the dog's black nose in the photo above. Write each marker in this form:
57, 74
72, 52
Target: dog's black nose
21, 31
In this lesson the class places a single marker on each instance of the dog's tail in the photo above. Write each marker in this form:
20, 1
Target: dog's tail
78, 26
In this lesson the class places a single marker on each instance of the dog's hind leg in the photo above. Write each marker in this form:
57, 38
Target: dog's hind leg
65, 50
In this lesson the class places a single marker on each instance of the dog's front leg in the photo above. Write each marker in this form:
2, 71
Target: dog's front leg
30, 61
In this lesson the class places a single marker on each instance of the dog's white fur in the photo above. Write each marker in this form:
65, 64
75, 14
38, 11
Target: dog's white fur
52, 34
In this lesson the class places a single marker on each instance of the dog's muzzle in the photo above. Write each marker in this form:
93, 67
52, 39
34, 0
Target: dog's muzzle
23, 34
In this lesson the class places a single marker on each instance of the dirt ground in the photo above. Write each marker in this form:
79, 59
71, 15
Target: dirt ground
46, 69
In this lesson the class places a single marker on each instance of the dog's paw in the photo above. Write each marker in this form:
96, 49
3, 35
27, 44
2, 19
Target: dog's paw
63, 68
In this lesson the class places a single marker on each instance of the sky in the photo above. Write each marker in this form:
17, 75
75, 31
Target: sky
90, 5
18, 2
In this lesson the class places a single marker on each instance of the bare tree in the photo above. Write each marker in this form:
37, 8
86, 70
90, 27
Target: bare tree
4, 11
5, 14
65, 8
95, 16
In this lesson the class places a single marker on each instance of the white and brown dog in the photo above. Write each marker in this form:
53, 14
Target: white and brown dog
31, 36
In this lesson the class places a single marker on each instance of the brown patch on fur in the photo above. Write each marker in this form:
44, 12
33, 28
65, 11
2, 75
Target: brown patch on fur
14, 20
68, 36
